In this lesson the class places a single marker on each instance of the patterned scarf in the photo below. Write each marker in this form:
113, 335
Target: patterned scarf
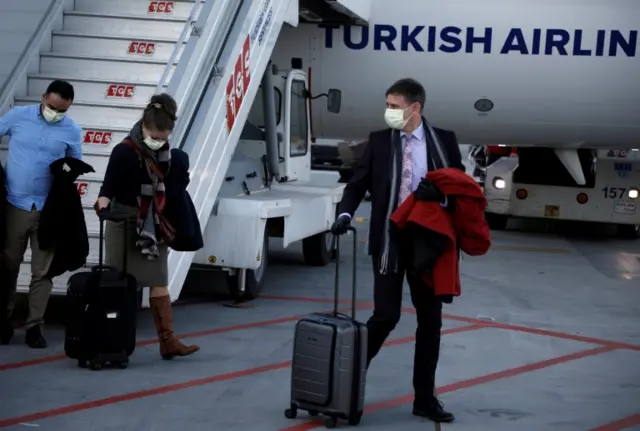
388, 263
152, 226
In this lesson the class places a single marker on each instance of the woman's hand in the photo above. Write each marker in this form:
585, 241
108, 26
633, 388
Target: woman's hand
102, 203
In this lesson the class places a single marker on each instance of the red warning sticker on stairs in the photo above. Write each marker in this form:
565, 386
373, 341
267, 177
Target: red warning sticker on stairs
141, 48
162, 7
96, 137
121, 91
238, 83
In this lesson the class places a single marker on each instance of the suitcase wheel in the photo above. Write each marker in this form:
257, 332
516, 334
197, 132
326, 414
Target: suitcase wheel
123, 365
291, 412
96, 366
355, 419
331, 422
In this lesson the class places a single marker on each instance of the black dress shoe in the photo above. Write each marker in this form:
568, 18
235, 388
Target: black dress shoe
6, 332
432, 410
34, 338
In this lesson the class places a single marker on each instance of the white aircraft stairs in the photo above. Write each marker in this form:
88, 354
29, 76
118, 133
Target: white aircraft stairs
118, 53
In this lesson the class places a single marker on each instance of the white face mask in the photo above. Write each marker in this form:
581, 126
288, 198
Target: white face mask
153, 144
51, 116
395, 118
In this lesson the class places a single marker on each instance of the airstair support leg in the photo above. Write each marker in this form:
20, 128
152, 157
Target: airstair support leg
270, 124
571, 162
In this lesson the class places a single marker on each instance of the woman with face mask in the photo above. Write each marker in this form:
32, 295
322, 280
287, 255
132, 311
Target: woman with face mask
134, 185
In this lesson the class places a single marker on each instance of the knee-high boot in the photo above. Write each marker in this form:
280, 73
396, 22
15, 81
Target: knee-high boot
170, 346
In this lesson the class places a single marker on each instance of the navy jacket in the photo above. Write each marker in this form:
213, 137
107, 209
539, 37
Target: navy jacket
179, 209
63, 228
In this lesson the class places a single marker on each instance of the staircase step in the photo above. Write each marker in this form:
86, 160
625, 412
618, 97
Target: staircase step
97, 90
105, 114
99, 67
123, 25
100, 140
176, 8
124, 47
59, 283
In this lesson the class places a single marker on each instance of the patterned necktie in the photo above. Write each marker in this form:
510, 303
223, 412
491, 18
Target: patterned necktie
407, 170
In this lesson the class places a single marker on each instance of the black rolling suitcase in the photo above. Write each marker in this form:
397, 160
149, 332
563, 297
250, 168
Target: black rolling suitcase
102, 311
328, 371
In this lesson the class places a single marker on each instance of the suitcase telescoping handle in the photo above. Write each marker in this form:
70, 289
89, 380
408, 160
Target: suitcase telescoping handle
106, 214
336, 292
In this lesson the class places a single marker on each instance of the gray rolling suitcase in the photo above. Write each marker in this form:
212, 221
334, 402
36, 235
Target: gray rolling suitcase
329, 367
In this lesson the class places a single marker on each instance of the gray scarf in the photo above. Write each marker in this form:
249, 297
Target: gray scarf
389, 257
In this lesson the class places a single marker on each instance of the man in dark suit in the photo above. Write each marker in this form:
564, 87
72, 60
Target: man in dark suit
392, 166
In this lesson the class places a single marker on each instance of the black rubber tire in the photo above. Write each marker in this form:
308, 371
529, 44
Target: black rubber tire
355, 419
318, 250
496, 221
331, 423
96, 366
628, 231
255, 278
123, 365
291, 412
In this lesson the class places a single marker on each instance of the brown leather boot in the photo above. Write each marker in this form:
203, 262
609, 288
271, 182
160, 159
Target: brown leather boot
170, 346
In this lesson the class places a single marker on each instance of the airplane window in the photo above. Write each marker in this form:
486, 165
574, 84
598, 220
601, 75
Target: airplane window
256, 116
298, 127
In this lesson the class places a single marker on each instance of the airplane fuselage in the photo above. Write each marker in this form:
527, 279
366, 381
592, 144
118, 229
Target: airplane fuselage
562, 73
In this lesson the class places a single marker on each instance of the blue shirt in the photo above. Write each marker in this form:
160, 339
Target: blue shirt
33, 146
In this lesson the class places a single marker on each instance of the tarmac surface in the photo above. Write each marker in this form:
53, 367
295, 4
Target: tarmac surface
546, 336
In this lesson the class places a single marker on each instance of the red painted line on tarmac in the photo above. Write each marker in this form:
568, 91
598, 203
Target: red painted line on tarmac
179, 386
224, 329
517, 328
619, 425
543, 332
465, 384
203, 333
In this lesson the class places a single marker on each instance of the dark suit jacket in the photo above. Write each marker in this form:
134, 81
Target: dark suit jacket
373, 174
62, 228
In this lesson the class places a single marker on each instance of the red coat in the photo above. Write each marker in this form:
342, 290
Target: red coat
465, 228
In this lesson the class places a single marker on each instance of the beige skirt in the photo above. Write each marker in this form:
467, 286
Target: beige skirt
148, 273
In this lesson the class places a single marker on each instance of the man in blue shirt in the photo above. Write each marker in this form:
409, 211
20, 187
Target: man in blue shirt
40, 134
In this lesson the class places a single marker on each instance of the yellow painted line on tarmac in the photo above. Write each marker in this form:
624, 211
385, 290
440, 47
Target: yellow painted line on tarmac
531, 249
361, 219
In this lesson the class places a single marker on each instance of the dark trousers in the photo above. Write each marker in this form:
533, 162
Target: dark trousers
386, 315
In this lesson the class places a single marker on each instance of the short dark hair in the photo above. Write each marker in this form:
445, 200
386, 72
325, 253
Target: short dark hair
160, 113
410, 89
62, 89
